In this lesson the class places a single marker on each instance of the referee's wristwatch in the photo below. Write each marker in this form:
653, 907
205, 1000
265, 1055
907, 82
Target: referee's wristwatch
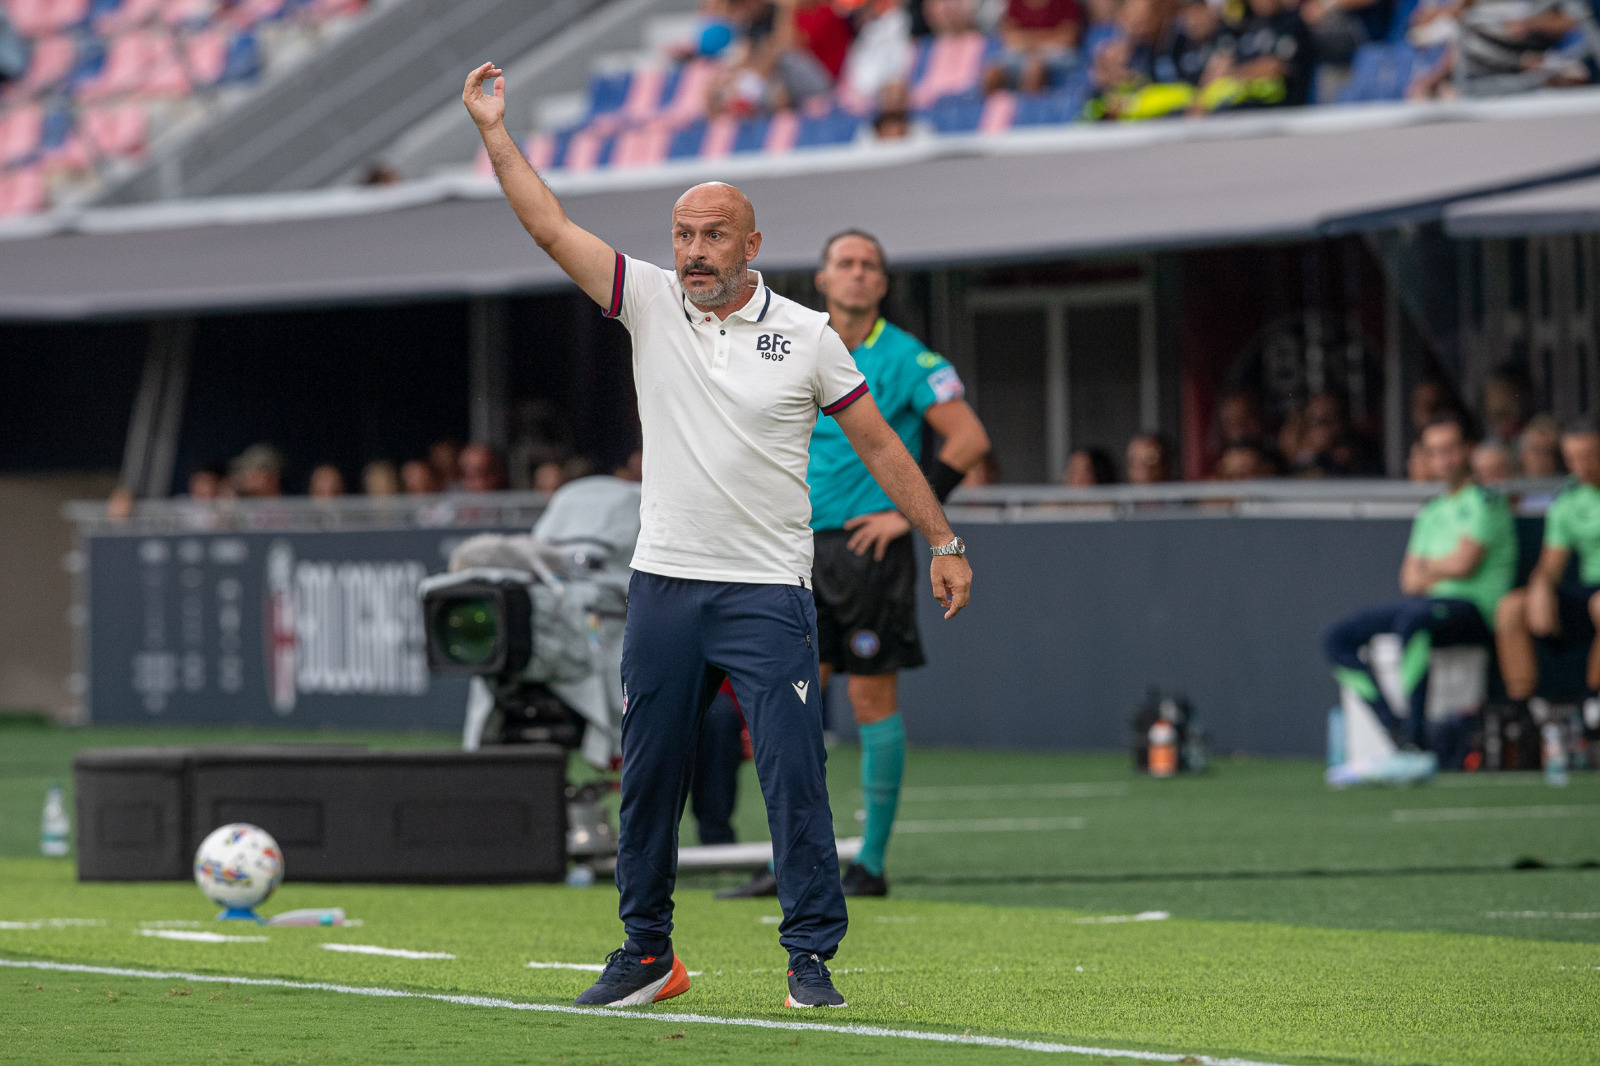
955, 547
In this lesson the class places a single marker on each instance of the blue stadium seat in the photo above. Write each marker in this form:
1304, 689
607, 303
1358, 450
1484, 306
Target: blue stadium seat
244, 59
752, 135
1382, 72
608, 91
956, 114
838, 128
686, 142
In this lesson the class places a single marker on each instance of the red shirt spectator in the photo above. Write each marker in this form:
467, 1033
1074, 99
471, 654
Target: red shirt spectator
1042, 14
827, 35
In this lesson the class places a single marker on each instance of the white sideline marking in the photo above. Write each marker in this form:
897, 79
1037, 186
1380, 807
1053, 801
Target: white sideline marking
987, 825
201, 937
1495, 814
1577, 916
53, 923
587, 967
643, 1016
1497, 779
394, 953
939, 793
1116, 919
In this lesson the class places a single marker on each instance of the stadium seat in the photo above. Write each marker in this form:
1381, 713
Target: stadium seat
22, 192
684, 100
833, 129
688, 140
166, 75
50, 63
21, 133
190, 14
721, 132
127, 16
949, 66
117, 131
608, 91
956, 114
783, 130
999, 112
750, 135
644, 94
642, 146
1381, 72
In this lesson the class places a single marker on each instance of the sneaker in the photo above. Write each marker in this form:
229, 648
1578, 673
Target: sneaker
764, 883
810, 984
860, 881
631, 979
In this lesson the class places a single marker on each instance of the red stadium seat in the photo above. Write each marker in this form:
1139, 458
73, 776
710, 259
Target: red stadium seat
720, 134
205, 55
165, 75
954, 65
119, 131
22, 192
999, 113
782, 132
127, 63
131, 15
32, 18
642, 146
52, 60
21, 133
689, 96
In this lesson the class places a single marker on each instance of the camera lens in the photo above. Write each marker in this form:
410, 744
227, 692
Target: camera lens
471, 631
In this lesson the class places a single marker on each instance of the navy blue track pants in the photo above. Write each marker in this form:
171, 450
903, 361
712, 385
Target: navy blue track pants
683, 638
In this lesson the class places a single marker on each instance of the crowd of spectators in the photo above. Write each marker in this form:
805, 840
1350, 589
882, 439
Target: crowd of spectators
899, 61
1321, 440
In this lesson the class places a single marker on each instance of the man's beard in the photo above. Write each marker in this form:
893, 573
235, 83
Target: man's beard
728, 284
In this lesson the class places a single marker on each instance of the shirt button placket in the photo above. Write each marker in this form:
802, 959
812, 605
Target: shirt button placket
720, 358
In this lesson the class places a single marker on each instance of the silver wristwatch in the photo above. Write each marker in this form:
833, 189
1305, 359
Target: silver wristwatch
955, 547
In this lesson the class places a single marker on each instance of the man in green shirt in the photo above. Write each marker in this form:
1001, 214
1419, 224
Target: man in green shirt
865, 575
1462, 558
1546, 609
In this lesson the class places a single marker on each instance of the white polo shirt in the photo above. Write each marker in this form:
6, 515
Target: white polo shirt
727, 407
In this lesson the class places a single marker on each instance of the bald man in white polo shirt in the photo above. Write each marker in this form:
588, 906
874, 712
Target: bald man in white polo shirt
731, 378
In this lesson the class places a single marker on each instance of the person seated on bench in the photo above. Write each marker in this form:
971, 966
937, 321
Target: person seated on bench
1461, 559
1545, 609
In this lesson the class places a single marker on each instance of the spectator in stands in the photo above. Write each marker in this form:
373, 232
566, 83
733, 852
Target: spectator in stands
1508, 47
1152, 69
325, 482
445, 458
1241, 419
1246, 461
1547, 608
1417, 468
1507, 403
1087, 467
1462, 557
880, 59
950, 18
1321, 442
258, 472
795, 51
549, 477
1538, 448
1491, 463
1339, 27
1266, 59
480, 469
1149, 460
209, 481
1040, 41
1431, 399
380, 478
417, 479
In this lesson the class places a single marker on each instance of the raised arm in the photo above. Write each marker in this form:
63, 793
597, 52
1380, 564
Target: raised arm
587, 259
893, 468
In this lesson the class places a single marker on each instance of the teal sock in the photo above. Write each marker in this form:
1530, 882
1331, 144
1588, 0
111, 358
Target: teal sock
883, 761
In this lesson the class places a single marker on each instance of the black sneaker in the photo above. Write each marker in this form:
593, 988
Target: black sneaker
632, 979
810, 984
860, 881
764, 883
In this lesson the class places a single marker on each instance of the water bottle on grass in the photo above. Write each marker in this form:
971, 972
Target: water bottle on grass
1555, 755
54, 826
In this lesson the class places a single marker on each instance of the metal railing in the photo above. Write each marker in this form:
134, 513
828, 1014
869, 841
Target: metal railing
1280, 498
509, 510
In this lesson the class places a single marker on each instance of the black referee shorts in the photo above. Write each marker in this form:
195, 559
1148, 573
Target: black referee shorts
866, 609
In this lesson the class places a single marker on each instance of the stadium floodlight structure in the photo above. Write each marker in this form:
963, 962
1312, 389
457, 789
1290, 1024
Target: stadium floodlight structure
536, 622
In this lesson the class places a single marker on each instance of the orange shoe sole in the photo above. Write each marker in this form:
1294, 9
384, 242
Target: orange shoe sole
677, 982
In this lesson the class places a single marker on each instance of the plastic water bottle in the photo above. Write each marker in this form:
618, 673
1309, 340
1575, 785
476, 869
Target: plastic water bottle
54, 825
1336, 754
1555, 756
1163, 749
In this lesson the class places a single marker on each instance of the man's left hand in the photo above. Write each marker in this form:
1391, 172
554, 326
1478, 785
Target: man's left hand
875, 532
952, 583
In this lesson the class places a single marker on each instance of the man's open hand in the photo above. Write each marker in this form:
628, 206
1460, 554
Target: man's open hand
952, 583
875, 532
488, 110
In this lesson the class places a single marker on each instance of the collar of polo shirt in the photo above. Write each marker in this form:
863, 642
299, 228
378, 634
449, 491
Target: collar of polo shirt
754, 310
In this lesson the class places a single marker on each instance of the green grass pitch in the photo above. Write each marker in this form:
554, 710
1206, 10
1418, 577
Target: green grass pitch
1457, 923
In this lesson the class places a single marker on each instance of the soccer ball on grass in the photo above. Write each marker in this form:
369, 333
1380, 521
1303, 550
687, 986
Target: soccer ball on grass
237, 867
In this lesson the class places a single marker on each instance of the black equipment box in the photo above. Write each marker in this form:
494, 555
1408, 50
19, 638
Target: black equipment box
339, 813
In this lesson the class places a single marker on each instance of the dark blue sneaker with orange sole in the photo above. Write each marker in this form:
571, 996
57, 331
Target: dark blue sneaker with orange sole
632, 979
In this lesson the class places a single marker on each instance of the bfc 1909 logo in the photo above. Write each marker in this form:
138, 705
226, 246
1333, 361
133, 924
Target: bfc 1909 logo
772, 346
342, 628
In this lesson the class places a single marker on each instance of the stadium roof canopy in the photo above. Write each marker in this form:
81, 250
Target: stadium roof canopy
1567, 207
935, 202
